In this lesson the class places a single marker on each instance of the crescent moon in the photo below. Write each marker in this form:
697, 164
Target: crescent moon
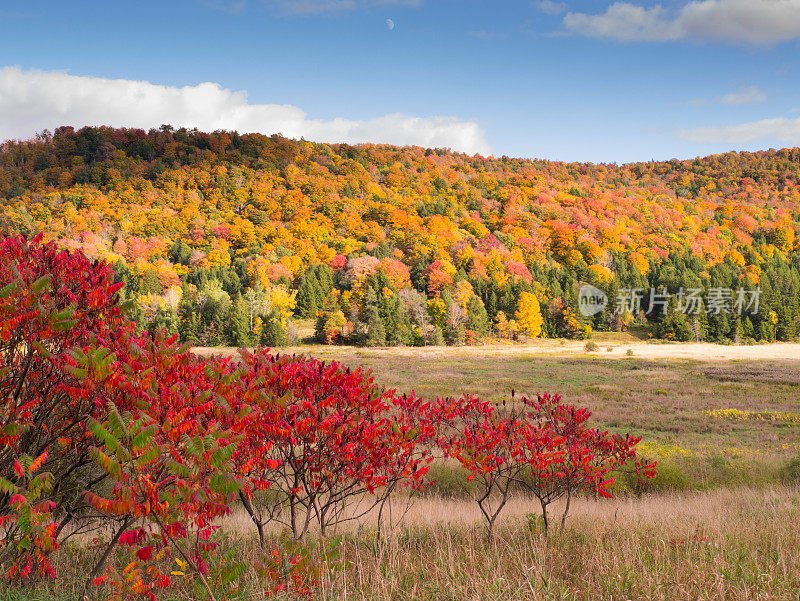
390, 24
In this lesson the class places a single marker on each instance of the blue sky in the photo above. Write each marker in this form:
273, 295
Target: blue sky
573, 80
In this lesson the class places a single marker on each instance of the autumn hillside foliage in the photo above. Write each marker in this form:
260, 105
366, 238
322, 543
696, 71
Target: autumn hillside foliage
228, 239
147, 445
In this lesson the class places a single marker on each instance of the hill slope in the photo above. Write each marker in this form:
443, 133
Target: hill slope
224, 237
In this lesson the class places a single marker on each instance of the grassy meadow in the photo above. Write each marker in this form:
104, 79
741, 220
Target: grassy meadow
718, 522
708, 423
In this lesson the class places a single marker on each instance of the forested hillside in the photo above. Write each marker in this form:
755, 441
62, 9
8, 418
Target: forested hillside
229, 238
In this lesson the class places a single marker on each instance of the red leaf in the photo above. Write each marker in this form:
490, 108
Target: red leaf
145, 553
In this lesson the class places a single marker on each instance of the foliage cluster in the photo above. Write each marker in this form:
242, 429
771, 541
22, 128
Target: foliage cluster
224, 238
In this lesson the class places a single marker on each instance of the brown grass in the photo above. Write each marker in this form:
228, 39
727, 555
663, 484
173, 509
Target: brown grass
723, 545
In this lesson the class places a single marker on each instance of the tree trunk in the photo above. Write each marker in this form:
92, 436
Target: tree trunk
259, 526
566, 509
102, 562
544, 516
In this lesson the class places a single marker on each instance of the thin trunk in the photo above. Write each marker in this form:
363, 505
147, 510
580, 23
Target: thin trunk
566, 509
64, 521
293, 515
259, 526
544, 516
102, 562
307, 521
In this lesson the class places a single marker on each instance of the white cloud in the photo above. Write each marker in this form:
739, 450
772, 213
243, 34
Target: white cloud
783, 129
747, 95
743, 96
625, 22
33, 100
551, 8
733, 21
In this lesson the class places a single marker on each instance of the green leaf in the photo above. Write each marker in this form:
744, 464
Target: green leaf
41, 350
101, 353
143, 437
195, 446
108, 440
8, 289
61, 326
149, 455
178, 469
43, 282
7, 487
76, 372
112, 467
63, 314
11, 429
117, 424
43, 482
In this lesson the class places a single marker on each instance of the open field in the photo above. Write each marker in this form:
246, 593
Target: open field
698, 397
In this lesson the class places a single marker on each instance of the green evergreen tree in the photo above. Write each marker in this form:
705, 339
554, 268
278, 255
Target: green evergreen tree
239, 332
477, 318
491, 304
309, 297
376, 331
674, 324
273, 333
436, 337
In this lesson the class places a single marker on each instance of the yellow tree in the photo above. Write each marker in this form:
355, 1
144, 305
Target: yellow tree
505, 328
529, 315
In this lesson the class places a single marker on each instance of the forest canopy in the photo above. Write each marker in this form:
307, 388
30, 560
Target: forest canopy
230, 238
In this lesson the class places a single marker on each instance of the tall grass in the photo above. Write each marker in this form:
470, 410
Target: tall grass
727, 544
731, 544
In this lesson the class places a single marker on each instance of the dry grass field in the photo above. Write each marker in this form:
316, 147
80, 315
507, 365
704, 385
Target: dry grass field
735, 544
719, 522
745, 410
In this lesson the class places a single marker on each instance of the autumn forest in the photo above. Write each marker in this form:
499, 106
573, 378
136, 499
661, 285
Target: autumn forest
232, 239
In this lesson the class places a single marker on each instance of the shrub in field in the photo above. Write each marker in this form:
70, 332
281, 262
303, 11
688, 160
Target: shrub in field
586, 456
165, 498
545, 446
103, 431
495, 448
336, 441
167, 464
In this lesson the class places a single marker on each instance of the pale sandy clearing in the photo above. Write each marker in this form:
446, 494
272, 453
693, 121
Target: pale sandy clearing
619, 350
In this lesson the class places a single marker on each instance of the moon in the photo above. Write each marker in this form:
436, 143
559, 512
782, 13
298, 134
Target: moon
390, 24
